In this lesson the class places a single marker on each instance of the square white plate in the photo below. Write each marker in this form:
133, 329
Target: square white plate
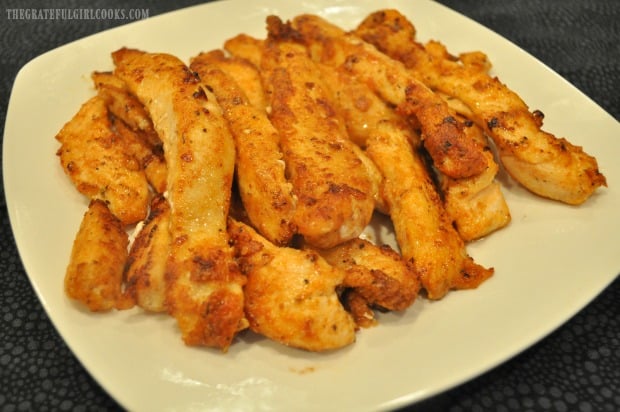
550, 262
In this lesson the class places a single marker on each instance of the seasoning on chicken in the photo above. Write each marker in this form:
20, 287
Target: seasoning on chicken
453, 154
549, 166
335, 198
94, 275
377, 273
145, 270
266, 194
205, 288
291, 294
423, 229
100, 163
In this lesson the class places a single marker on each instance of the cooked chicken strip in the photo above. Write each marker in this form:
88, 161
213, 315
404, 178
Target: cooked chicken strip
546, 165
124, 105
453, 154
250, 49
95, 272
266, 194
377, 273
100, 164
476, 204
204, 286
131, 120
245, 47
359, 308
423, 229
242, 71
335, 198
152, 162
291, 294
146, 265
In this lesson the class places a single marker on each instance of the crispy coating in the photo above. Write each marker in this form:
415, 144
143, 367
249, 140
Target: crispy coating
266, 194
242, 71
334, 192
101, 165
319, 126
377, 273
250, 49
359, 308
245, 47
549, 166
359, 108
125, 106
131, 120
204, 291
95, 272
151, 161
290, 295
476, 204
145, 271
423, 229
453, 154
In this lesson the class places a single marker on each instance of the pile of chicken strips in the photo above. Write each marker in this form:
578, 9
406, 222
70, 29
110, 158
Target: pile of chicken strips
231, 191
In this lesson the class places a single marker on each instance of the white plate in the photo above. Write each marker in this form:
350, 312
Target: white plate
550, 262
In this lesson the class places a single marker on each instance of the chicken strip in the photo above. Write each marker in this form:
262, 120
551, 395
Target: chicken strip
124, 105
245, 47
95, 272
205, 288
250, 49
423, 229
151, 160
476, 204
242, 71
100, 164
452, 153
377, 273
266, 194
335, 198
359, 308
131, 120
145, 270
290, 295
547, 165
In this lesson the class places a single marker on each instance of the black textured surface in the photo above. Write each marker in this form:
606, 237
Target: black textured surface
576, 368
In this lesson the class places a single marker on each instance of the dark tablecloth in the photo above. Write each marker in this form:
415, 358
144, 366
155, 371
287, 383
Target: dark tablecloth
575, 368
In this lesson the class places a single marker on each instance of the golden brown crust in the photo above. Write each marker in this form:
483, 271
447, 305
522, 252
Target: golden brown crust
95, 272
290, 295
423, 229
245, 47
204, 291
266, 194
452, 152
125, 106
334, 193
146, 264
101, 165
149, 158
476, 204
244, 73
546, 165
378, 274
